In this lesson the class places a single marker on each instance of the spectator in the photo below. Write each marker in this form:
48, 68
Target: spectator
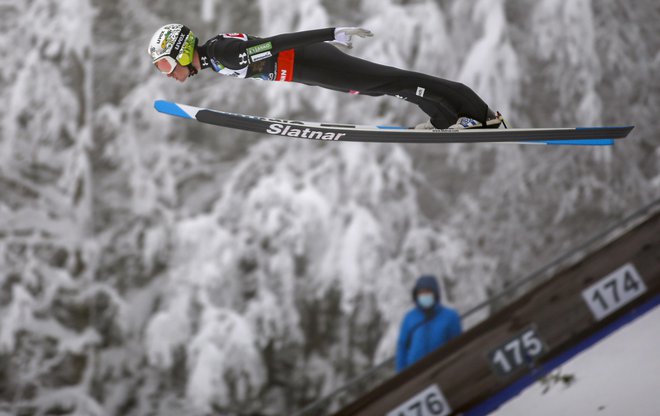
427, 326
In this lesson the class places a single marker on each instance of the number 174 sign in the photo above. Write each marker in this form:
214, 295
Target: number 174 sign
614, 291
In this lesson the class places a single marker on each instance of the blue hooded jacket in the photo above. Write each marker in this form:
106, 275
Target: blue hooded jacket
423, 331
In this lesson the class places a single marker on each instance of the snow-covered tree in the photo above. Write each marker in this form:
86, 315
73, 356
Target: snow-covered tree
52, 315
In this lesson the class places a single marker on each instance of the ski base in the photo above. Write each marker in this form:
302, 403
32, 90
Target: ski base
580, 136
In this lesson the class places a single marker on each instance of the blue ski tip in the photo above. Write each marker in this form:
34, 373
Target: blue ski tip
583, 142
170, 108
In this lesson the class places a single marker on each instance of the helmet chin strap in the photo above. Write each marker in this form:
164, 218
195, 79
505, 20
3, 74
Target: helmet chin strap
192, 71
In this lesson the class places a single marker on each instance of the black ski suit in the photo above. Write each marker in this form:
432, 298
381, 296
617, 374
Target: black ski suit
304, 57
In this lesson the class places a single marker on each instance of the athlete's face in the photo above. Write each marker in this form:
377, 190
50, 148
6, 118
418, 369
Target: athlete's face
180, 73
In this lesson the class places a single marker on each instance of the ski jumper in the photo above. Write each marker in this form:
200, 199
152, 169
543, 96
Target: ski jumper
304, 57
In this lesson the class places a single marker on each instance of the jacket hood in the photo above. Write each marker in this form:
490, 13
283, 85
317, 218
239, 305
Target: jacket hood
428, 282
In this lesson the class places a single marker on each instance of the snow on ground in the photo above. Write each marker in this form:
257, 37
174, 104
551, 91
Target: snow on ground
620, 375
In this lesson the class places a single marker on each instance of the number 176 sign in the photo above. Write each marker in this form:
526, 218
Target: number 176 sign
429, 402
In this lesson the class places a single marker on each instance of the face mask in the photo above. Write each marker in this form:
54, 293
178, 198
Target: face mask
426, 300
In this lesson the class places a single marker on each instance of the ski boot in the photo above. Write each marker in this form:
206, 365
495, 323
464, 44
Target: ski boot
494, 121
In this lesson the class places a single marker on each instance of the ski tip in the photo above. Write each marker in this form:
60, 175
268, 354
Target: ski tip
173, 109
620, 131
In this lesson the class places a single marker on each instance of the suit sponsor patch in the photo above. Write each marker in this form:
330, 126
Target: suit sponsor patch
241, 36
252, 50
260, 56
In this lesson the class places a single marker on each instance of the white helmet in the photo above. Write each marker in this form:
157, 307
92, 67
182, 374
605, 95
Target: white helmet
171, 45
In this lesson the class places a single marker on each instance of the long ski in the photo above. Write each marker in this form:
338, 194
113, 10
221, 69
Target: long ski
592, 136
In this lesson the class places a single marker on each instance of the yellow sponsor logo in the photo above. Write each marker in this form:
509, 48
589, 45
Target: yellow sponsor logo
163, 44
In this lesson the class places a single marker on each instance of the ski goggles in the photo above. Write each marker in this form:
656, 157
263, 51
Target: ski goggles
166, 64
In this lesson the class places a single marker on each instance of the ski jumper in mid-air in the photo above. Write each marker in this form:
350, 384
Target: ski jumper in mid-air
310, 58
